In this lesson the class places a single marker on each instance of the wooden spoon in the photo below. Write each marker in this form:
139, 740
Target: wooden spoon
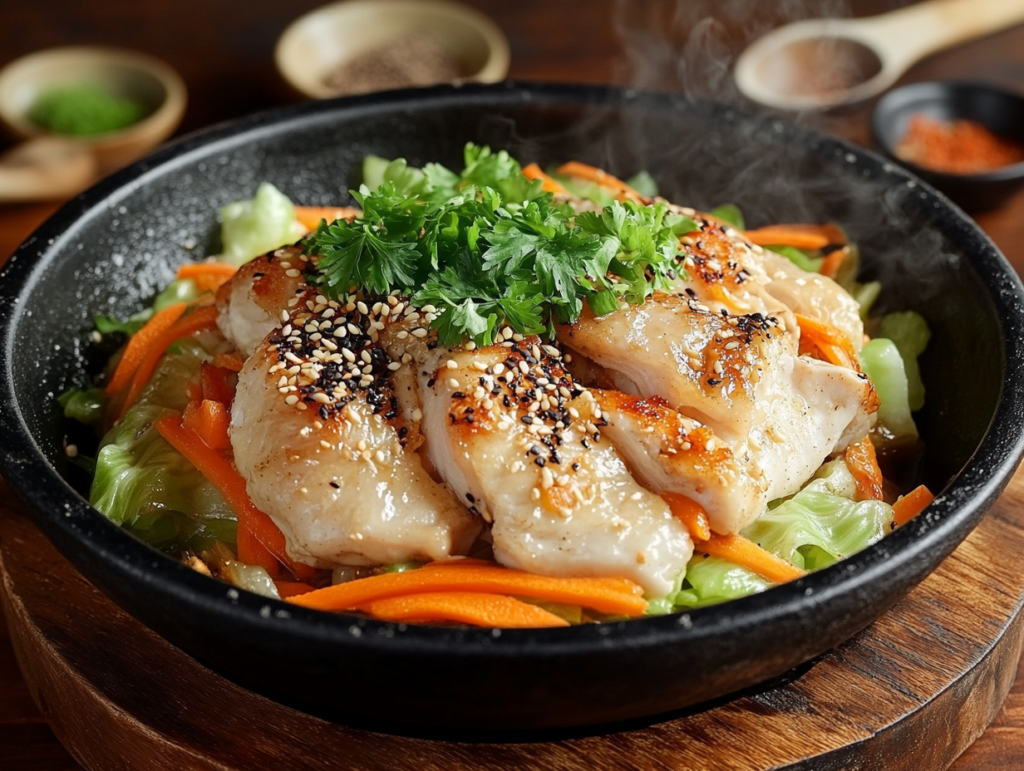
821, 63
44, 169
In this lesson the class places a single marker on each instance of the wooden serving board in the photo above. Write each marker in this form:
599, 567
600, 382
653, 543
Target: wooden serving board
910, 692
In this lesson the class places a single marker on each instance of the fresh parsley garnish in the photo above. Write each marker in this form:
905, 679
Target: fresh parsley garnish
486, 247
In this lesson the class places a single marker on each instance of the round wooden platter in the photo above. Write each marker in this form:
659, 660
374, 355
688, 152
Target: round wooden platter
910, 692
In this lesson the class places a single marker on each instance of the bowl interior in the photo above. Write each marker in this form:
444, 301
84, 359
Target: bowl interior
111, 250
319, 42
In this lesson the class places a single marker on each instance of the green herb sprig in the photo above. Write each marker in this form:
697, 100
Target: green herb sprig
487, 247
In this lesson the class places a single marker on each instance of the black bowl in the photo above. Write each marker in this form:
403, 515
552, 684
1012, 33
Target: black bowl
1002, 112
110, 249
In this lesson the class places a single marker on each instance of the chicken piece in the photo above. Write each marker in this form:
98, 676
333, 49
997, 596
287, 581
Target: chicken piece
707, 365
517, 439
723, 271
815, 296
250, 304
670, 453
326, 449
780, 414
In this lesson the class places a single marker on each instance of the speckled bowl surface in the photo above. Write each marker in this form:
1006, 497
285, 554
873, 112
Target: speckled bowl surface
110, 249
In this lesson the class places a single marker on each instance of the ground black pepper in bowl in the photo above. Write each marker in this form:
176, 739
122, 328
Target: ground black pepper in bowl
400, 63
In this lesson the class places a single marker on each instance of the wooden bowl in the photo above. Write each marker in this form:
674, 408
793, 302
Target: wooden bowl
316, 44
125, 73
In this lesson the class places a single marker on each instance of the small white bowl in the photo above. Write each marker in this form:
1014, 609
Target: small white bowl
316, 44
126, 73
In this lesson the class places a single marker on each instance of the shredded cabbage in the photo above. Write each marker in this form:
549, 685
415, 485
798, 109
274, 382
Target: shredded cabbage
882, 362
256, 226
910, 334
144, 484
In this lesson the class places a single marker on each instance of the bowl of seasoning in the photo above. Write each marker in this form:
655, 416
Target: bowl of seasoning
966, 139
360, 46
119, 103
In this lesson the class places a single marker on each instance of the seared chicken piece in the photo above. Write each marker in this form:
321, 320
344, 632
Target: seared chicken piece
250, 304
520, 442
815, 296
781, 415
327, 450
670, 453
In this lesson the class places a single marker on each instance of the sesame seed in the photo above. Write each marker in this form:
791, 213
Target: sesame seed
292, 273
395, 366
349, 356
71, 451
547, 479
284, 316
453, 382
291, 399
451, 364
419, 332
325, 444
417, 414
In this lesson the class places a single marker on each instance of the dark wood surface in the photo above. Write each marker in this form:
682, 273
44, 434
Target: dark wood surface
223, 49
909, 693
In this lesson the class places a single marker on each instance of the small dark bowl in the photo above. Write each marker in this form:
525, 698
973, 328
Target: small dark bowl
1000, 111
110, 249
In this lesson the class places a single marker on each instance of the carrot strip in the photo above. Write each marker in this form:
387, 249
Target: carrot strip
736, 548
229, 361
217, 383
309, 216
478, 609
252, 552
291, 588
830, 265
910, 505
550, 184
210, 421
601, 177
203, 318
691, 514
222, 474
863, 464
209, 276
607, 595
797, 235
834, 346
135, 351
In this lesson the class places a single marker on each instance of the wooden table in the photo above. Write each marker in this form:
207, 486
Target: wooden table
223, 49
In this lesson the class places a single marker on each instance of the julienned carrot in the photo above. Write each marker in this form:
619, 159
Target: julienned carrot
252, 552
217, 383
478, 609
135, 351
207, 275
210, 420
203, 318
736, 548
798, 235
607, 595
862, 461
309, 216
229, 361
549, 184
220, 472
830, 265
601, 177
832, 343
291, 588
910, 505
691, 514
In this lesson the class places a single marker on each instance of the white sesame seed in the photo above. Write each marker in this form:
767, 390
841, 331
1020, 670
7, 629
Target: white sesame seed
349, 356
322, 398
292, 273
362, 307
71, 451
291, 399
284, 315
395, 366
402, 335
453, 383
499, 368
547, 479
326, 445
354, 329
417, 414
451, 364
419, 332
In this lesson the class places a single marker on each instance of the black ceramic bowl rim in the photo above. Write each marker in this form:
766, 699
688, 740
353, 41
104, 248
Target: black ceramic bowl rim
87, 538
939, 90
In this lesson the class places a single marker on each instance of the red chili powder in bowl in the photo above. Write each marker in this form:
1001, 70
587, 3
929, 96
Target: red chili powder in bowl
956, 147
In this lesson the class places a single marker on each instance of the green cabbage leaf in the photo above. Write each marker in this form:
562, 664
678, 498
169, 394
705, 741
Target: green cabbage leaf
258, 225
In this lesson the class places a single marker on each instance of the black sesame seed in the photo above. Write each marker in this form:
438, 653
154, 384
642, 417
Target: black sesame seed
539, 460
527, 419
335, 485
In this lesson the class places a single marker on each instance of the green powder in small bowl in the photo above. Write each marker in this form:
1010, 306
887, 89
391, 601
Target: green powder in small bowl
84, 110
